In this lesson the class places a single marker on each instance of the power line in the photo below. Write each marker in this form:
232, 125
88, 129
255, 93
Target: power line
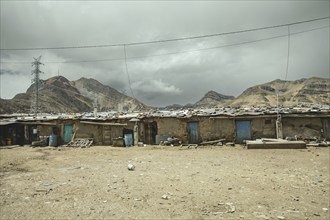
177, 52
228, 45
35, 105
128, 78
288, 55
279, 131
167, 40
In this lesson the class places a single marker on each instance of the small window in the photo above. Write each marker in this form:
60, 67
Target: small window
268, 121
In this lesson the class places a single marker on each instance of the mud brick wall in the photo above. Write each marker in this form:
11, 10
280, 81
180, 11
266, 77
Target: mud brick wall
175, 127
97, 132
45, 130
89, 131
216, 128
263, 128
302, 127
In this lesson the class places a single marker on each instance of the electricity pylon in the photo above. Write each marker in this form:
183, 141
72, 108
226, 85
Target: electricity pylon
35, 105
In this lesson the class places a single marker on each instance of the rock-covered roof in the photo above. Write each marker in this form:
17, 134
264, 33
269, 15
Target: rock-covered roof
184, 113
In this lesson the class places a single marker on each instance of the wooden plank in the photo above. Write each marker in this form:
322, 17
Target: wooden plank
212, 142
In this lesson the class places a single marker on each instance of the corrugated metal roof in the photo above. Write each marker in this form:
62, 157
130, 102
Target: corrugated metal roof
322, 110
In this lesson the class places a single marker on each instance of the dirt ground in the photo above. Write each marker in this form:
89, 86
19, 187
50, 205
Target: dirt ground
167, 183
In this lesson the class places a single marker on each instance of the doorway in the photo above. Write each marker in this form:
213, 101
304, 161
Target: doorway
326, 128
33, 133
243, 131
150, 132
193, 133
67, 134
128, 137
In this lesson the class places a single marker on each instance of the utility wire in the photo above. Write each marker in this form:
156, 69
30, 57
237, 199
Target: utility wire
288, 55
173, 53
128, 78
278, 121
166, 40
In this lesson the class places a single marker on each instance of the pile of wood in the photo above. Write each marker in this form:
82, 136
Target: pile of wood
81, 142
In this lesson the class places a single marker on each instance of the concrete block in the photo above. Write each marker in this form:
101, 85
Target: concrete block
275, 145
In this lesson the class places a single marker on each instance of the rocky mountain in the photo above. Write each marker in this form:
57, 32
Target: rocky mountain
58, 94
209, 100
290, 93
107, 98
173, 107
213, 99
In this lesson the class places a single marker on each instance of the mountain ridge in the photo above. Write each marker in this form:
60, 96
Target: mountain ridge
58, 94
289, 93
213, 99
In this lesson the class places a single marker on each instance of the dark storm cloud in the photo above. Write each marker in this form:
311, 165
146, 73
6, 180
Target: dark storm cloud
156, 78
8, 72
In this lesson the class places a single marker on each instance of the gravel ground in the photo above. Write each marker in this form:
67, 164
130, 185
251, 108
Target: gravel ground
167, 182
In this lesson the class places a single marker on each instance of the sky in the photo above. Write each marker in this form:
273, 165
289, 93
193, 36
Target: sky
166, 72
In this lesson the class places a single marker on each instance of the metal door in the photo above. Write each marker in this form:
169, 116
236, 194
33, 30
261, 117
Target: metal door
33, 133
67, 136
128, 137
106, 135
193, 133
326, 128
243, 131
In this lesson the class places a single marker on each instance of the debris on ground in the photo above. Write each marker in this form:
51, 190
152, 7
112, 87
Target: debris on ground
81, 142
141, 144
130, 167
171, 141
214, 142
167, 195
188, 146
40, 143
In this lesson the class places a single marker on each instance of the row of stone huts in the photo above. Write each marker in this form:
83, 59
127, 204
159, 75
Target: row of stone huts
190, 127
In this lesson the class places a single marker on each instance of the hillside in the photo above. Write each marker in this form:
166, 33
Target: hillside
107, 98
57, 94
290, 93
213, 99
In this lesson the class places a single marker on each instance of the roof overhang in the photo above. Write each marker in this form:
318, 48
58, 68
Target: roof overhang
102, 123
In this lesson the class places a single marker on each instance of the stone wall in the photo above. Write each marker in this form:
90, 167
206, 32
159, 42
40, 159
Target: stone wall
217, 128
302, 127
263, 128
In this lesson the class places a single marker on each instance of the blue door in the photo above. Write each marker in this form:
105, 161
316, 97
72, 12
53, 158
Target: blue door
128, 139
67, 136
243, 131
193, 133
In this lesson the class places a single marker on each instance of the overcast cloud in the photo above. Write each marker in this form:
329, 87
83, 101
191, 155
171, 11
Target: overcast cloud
158, 79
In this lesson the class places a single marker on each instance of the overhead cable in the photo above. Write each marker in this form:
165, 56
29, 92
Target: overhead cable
165, 40
128, 78
173, 53
288, 55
